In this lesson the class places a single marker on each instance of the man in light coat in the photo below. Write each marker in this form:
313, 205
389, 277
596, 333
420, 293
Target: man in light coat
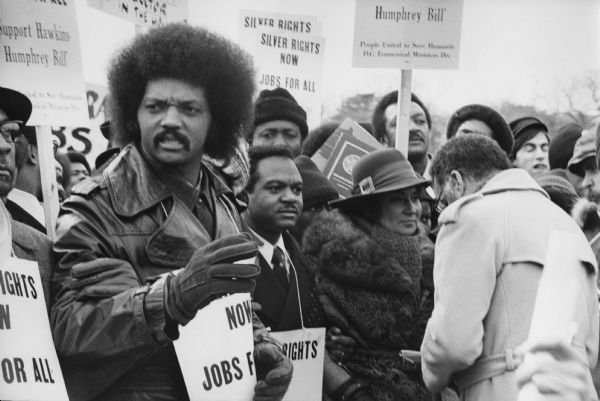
488, 262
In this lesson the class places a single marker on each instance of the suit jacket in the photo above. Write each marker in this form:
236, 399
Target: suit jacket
280, 308
30, 244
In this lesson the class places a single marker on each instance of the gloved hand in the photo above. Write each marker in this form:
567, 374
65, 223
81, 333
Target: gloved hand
209, 274
101, 278
273, 369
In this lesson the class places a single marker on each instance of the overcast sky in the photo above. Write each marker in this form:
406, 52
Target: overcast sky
525, 51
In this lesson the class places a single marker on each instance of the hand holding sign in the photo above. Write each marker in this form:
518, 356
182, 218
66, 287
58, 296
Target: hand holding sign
211, 272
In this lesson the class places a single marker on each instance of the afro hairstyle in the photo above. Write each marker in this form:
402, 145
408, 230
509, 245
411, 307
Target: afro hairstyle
378, 118
193, 55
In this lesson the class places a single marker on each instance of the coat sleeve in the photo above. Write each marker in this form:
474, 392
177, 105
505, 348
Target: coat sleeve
119, 325
467, 258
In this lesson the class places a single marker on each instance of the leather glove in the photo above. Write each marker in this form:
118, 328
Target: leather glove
339, 345
273, 369
101, 278
211, 273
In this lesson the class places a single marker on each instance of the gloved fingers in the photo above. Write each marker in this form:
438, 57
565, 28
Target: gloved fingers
232, 253
220, 287
96, 266
266, 392
234, 271
268, 353
230, 240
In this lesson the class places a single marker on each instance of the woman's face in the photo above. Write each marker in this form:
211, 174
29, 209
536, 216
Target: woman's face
400, 210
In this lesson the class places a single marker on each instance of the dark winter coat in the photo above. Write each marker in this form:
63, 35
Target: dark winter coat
371, 286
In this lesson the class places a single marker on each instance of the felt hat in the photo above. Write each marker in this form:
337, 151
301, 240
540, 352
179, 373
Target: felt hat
562, 145
316, 188
279, 104
501, 132
585, 147
16, 105
524, 129
379, 172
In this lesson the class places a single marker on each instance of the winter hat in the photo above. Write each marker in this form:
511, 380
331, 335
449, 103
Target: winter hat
501, 132
16, 105
523, 130
378, 119
381, 171
585, 147
279, 104
316, 189
560, 190
317, 137
561, 146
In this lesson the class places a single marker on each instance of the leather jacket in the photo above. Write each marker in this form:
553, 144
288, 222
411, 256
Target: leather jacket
115, 347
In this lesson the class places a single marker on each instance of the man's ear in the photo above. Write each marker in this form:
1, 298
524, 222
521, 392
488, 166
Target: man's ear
457, 182
32, 154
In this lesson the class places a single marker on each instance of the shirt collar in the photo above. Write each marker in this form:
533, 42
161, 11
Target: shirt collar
266, 248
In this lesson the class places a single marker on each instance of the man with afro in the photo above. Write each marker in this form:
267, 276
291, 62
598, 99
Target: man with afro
178, 93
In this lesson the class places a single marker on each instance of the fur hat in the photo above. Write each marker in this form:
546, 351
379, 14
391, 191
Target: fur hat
316, 188
379, 172
524, 129
585, 147
16, 105
561, 146
501, 132
279, 104
378, 119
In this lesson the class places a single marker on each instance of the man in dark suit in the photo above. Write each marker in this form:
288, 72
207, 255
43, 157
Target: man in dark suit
27, 243
285, 288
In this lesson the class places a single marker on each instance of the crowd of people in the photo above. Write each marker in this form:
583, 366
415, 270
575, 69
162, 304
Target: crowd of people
425, 277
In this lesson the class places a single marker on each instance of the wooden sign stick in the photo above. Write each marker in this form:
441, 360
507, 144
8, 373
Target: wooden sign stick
403, 112
48, 177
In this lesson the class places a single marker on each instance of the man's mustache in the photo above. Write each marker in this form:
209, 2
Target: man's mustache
172, 134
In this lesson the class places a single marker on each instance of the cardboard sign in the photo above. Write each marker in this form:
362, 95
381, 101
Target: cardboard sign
40, 57
288, 53
306, 349
338, 155
28, 361
407, 34
215, 351
147, 13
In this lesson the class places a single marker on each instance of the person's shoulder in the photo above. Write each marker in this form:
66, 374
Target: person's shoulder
28, 238
89, 187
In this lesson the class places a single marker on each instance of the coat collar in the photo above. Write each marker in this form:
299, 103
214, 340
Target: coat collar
134, 187
514, 179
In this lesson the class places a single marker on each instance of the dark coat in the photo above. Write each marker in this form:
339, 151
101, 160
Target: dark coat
280, 308
115, 347
30, 244
370, 285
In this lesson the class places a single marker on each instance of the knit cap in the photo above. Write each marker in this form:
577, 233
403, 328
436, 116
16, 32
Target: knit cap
501, 132
525, 129
279, 104
316, 188
553, 180
562, 145
585, 147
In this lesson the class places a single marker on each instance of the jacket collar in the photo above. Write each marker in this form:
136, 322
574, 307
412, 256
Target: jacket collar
133, 186
514, 179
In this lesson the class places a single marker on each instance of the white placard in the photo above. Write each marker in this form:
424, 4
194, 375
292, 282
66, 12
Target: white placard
407, 34
147, 13
215, 351
40, 57
28, 362
290, 58
306, 349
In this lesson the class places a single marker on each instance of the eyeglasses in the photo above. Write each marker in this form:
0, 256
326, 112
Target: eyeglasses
10, 130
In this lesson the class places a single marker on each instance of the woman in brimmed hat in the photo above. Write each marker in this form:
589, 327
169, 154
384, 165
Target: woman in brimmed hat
368, 257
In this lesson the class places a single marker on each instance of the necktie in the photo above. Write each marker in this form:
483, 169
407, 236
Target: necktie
279, 269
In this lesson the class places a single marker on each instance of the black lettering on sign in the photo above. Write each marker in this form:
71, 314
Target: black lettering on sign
13, 369
238, 315
41, 370
81, 134
220, 374
250, 362
4, 317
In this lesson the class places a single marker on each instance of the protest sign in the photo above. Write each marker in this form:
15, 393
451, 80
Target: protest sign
407, 34
338, 155
306, 349
41, 58
215, 351
147, 13
288, 53
30, 369
87, 138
